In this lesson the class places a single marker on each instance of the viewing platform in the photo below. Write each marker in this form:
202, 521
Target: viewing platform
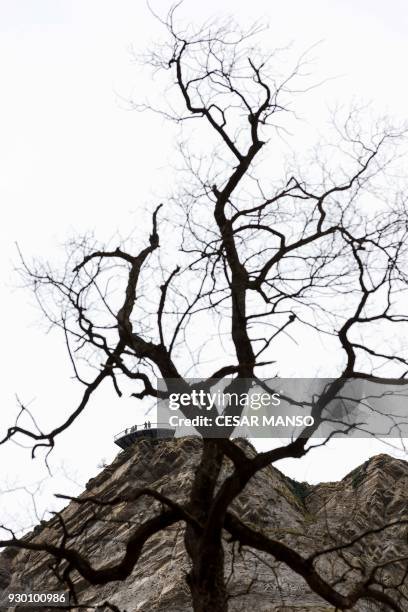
129, 436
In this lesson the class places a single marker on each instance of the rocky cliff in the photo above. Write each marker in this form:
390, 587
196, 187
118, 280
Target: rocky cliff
306, 516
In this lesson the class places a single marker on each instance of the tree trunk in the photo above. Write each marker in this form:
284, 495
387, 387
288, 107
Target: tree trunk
207, 584
206, 578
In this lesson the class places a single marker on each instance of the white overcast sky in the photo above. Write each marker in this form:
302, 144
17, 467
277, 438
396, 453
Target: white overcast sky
73, 158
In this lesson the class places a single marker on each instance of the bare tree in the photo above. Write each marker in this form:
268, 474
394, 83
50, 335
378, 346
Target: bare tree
322, 247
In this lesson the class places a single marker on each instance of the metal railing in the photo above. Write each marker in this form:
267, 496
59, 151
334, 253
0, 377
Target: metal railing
141, 427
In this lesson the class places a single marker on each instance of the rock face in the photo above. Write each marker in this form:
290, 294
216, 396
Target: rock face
307, 517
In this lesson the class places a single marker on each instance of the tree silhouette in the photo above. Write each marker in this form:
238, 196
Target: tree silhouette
321, 247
